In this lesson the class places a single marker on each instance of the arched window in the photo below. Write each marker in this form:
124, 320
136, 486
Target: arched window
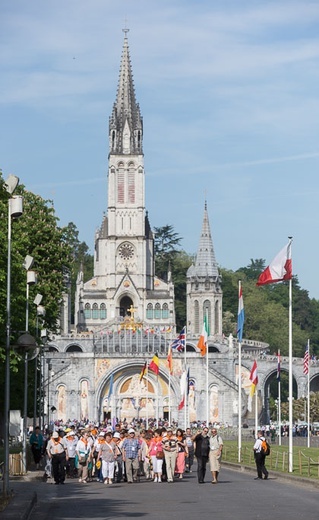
73, 348
217, 331
131, 183
157, 313
120, 183
149, 311
165, 311
196, 317
87, 311
103, 311
95, 311
207, 312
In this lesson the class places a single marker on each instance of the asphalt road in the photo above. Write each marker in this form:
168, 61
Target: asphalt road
237, 495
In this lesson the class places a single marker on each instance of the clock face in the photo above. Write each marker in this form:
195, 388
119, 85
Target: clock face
126, 251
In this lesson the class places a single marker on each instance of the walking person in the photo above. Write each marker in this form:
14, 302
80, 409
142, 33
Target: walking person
107, 454
56, 450
83, 451
201, 440
118, 469
157, 455
215, 454
170, 452
181, 453
190, 450
260, 457
36, 442
71, 442
131, 456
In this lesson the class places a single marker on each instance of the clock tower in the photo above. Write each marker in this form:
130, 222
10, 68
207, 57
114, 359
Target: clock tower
124, 275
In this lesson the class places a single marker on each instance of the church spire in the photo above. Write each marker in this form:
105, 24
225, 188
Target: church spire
126, 123
206, 264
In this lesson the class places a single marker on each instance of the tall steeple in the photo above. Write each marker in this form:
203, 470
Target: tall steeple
204, 294
206, 264
126, 123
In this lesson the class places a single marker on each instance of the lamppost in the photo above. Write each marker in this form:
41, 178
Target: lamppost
25, 344
15, 210
31, 344
40, 312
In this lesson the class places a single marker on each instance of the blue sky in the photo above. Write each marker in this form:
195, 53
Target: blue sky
229, 93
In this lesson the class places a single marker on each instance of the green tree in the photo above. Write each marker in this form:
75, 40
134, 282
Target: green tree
81, 259
166, 247
35, 233
179, 266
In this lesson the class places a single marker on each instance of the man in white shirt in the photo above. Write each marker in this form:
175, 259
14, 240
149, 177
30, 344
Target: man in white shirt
260, 457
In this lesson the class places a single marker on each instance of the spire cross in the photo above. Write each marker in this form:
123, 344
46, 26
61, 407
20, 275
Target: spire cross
125, 30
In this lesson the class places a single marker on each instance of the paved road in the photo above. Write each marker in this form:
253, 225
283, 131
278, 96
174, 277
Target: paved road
237, 496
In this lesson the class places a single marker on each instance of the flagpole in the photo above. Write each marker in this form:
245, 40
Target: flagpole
308, 398
256, 410
279, 404
207, 393
146, 411
157, 403
240, 326
239, 401
186, 394
290, 443
169, 397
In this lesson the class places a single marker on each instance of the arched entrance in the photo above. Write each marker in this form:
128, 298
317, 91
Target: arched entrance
125, 304
270, 404
125, 395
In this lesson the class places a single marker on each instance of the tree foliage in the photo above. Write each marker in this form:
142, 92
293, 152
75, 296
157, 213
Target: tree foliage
35, 233
168, 255
166, 248
81, 259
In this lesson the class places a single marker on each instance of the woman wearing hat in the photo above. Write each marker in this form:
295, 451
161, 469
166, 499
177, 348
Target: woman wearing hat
57, 452
71, 442
83, 450
119, 465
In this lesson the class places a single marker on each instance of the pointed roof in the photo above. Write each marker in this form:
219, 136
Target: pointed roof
126, 111
205, 264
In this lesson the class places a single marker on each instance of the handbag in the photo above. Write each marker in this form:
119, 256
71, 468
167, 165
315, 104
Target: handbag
159, 454
82, 459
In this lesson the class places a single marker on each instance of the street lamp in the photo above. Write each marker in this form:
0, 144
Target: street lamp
15, 210
25, 343
31, 280
40, 312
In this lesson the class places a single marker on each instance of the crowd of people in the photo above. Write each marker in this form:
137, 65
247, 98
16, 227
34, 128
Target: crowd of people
95, 453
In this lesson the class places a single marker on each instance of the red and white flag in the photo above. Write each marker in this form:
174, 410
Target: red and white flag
279, 269
183, 384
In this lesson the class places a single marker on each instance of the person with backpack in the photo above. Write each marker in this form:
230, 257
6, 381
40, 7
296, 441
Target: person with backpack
261, 449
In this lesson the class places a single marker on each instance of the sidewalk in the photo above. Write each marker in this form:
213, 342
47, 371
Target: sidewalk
24, 496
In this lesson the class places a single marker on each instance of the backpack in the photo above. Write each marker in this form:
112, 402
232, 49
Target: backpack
265, 448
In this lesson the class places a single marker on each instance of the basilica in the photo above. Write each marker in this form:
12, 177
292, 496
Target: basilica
98, 367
